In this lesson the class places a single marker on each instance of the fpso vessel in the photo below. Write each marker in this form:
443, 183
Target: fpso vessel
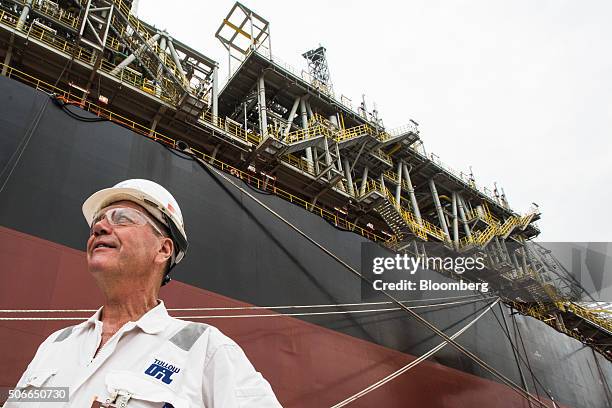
90, 95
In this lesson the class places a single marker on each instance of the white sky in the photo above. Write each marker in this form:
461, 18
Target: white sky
521, 90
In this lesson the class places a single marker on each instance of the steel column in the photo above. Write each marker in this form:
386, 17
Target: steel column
315, 153
524, 260
334, 119
7, 57
177, 61
160, 68
338, 157
309, 110
304, 115
413, 200
263, 115
517, 267
398, 189
349, 177
328, 159
291, 116
434, 193
466, 226
364, 182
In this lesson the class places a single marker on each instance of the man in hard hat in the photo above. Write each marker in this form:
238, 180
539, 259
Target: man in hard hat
131, 353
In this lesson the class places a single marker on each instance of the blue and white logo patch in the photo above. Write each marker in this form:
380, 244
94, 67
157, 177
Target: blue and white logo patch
162, 371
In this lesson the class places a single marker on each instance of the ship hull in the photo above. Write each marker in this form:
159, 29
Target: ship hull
241, 255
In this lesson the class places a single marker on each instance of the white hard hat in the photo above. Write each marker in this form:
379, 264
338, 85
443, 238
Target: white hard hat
154, 198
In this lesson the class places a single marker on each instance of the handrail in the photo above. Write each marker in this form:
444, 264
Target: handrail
511, 222
355, 131
381, 155
398, 131
393, 176
231, 128
300, 163
310, 132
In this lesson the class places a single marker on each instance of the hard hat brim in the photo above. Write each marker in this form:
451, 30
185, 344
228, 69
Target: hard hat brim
107, 196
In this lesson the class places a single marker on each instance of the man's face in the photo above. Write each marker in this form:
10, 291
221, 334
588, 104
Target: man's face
128, 252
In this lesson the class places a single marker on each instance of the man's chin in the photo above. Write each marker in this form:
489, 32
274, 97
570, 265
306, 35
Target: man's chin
97, 263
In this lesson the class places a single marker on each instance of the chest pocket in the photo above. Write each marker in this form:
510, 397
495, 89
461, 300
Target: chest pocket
145, 393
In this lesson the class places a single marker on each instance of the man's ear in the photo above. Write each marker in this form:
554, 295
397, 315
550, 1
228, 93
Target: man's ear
166, 249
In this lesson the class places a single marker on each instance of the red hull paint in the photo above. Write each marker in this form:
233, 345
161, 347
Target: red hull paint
307, 365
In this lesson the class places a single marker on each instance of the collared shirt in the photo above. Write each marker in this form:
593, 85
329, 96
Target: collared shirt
159, 361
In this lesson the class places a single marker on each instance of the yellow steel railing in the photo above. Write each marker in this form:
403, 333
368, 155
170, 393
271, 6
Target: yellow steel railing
372, 185
392, 176
466, 240
310, 132
510, 223
355, 131
482, 237
494, 223
318, 118
299, 163
486, 214
231, 128
382, 155
384, 136
418, 229
424, 228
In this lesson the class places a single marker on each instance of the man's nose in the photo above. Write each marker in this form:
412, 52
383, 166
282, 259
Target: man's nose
101, 227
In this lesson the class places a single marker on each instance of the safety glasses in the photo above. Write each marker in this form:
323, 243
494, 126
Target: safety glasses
123, 217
